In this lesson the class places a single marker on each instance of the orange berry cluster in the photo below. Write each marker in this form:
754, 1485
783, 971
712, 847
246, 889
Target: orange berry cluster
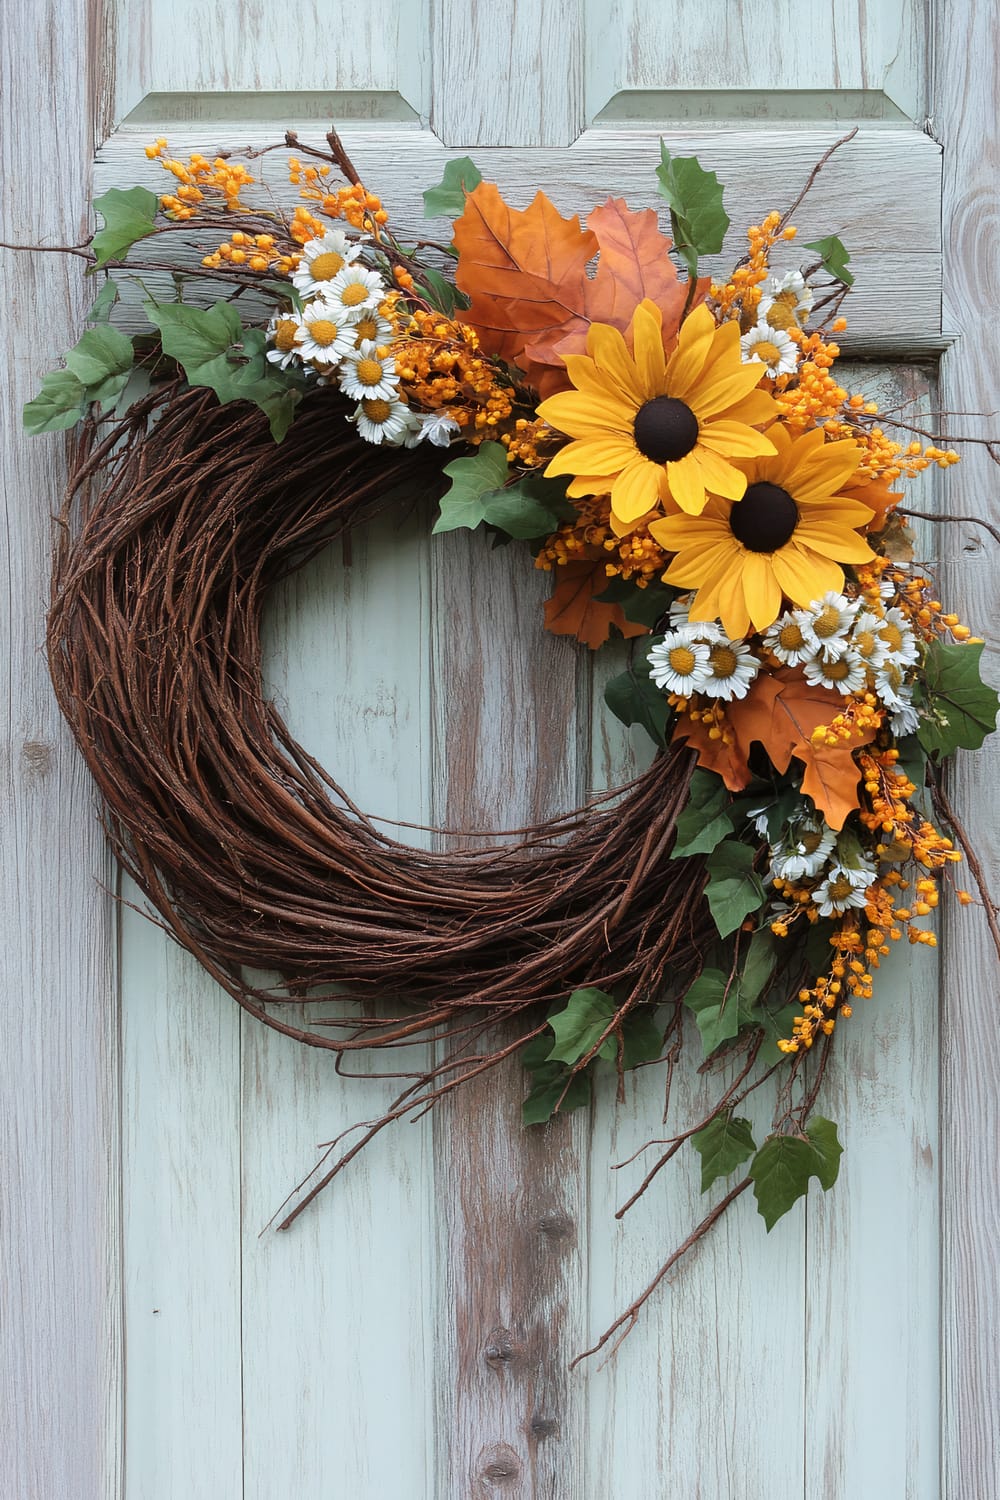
740, 295
441, 369
257, 252
636, 556
354, 202
198, 177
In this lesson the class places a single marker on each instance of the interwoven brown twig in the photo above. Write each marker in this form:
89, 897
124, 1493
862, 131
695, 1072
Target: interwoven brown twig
177, 522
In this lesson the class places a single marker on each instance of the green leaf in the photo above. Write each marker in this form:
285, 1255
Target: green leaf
716, 1010
440, 292
103, 303
549, 1081
758, 965
634, 698
60, 403
471, 480
129, 214
642, 1038
533, 507
644, 606
705, 820
724, 1144
200, 340
100, 354
697, 217
958, 709
827, 1149
447, 198
833, 257
776, 1026
587, 1014
780, 1172
733, 890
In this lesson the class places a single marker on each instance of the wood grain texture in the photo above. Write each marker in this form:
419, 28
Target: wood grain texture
879, 193
965, 88
776, 48
60, 1329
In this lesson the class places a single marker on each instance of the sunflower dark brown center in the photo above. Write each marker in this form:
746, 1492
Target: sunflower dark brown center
665, 429
765, 518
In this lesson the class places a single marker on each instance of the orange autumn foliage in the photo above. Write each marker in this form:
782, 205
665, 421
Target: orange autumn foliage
573, 610
780, 712
526, 273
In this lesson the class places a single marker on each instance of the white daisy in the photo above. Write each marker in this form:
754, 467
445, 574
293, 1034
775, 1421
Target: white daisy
382, 421
827, 623
678, 664
786, 301
356, 292
770, 347
731, 669
369, 371
433, 427
867, 640
325, 337
805, 850
285, 332
372, 328
846, 673
905, 720
786, 638
903, 649
322, 259
841, 889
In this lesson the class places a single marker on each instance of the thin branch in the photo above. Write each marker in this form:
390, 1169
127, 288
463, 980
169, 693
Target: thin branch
923, 515
786, 216
943, 805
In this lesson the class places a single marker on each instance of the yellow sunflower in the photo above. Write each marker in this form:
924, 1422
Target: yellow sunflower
788, 535
648, 428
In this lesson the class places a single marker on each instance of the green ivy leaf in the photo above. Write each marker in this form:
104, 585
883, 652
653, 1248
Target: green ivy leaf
758, 965
833, 257
827, 1148
441, 293
642, 1038
472, 479
103, 303
958, 709
776, 1026
578, 1026
716, 1009
533, 507
548, 1083
101, 361
129, 214
645, 606
201, 341
724, 1144
780, 1172
447, 198
705, 820
733, 890
60, 403
634, 698
697, 217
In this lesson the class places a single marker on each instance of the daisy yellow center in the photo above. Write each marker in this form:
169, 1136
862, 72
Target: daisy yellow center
781, 313
353, 294
682, 660
790, 638
837, 670
376, 410
326, 266
366, 330
284, 335
840, 888
892, 635
323, 331
765, 518
723, 661
827, 622
369, 371
811, 841
865, 642
768, 352
665, 429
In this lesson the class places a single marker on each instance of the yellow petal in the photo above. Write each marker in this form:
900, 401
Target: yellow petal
712, 397
719, 476
694, 343
677, 532
731, 601
587, 484
761, 590
593, 456
733, 439
686, 484
805, 576
582, 414
755, 409
636, 489
647, 340
701, 568
587, 377
608, 349
833, 541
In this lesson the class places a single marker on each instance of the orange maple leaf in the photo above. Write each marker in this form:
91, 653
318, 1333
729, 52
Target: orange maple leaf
532, 300
573, 610
780, 712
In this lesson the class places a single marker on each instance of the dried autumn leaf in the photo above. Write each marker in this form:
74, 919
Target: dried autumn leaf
780, 712
525, 271
573, 610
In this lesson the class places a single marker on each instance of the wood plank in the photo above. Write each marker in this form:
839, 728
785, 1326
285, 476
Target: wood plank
60, 1330
511, 1200
879, 193
964, 91
337, 1311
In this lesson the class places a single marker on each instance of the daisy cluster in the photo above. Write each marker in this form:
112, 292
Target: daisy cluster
343, 334
785, 305
810, 851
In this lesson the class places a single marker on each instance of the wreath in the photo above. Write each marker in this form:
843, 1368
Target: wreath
678, 454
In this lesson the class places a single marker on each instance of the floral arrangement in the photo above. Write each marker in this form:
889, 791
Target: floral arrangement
680, 456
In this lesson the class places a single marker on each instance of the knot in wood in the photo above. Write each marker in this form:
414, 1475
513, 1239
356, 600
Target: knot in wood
499, 1348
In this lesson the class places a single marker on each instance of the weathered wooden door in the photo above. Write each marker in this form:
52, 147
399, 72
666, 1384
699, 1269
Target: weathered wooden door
410, 1336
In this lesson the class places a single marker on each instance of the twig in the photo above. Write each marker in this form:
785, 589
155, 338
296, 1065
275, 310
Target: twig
786, 216
943, 805
923, 515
